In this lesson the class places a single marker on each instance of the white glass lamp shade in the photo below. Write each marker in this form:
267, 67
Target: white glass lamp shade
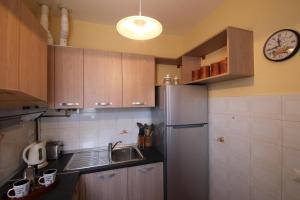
139, 27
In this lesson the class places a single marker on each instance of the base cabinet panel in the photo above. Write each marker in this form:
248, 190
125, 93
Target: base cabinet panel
107, 185
146, 182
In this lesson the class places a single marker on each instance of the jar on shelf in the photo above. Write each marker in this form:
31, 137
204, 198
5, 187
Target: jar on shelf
168, 80
176, 80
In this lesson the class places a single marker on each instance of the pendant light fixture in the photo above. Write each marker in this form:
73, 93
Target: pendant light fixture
139, 27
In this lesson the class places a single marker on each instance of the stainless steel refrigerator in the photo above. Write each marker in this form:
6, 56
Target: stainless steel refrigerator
181, 135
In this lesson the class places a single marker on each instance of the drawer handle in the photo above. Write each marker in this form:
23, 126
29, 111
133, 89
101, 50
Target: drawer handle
145, 170
103, 104
221, 139
69, 104
106, 177
138, 103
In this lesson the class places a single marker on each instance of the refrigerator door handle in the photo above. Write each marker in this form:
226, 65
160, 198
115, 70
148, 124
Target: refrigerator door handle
187, 126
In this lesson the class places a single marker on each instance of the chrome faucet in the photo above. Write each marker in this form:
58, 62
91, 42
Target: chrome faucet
111, 147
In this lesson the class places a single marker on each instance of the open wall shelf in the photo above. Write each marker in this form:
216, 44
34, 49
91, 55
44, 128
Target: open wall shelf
239, 52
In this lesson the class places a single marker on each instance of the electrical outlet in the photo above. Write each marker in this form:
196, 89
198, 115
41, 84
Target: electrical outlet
124, 132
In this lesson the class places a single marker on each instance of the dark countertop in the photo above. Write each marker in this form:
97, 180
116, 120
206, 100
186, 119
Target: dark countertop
68, 180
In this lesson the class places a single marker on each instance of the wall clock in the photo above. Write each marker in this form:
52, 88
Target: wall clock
282, 45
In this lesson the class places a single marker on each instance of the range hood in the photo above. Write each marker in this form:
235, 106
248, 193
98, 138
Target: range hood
20, 115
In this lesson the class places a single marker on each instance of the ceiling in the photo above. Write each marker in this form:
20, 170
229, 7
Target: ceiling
176, 16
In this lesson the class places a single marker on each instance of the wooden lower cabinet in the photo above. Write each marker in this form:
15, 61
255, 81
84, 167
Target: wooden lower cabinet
143, 182
107, 185
76, 194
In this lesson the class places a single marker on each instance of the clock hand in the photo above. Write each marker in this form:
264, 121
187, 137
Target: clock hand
273, 48
278, 42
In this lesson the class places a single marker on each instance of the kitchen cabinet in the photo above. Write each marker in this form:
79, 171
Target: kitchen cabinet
98, 79
33, 56
68, 76
102, 79
188, 65
23, 56
9, 51
138, 80
76, 193
51, 78
107, 185
239, 53
146, 182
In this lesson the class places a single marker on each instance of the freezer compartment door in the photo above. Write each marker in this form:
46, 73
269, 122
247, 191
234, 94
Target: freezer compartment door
185, 104
187, 163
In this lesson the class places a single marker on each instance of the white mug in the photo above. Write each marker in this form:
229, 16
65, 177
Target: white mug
21, 189
48, 177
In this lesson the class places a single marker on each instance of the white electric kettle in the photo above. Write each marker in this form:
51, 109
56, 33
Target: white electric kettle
35, 154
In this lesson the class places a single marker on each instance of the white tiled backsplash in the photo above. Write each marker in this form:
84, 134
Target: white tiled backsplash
260, 157
13, 139
90, 128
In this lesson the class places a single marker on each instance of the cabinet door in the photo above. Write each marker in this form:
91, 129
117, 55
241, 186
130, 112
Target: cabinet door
146, 182
51, 78
68, 77
33, 55
102, 79
76, 193
9, 40
108, 185
138, 80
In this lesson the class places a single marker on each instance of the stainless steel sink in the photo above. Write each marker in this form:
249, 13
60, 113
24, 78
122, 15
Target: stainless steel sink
126, 154
96, 158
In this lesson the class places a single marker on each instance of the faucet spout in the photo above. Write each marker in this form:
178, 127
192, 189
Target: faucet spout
111, 147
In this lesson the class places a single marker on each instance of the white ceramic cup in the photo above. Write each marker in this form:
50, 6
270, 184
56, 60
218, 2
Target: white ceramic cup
48, 177
21, 189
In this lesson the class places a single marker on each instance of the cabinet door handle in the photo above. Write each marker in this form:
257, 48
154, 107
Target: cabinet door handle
138, 103
69, 104
103, 103
146, 169
107, 176
220, 139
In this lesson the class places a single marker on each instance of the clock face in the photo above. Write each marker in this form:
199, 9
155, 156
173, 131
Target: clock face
281, 45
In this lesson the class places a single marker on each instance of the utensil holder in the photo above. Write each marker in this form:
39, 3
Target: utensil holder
148, 141
141, 141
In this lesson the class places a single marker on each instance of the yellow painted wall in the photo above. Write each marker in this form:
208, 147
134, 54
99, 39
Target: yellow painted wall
163, 70
105, 37
263, 17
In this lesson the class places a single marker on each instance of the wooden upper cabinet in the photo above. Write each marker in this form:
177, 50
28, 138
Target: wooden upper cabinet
188, 65
33, 55
102, 79
68, 75
51, 78
138, 80
9, 40
145, 182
